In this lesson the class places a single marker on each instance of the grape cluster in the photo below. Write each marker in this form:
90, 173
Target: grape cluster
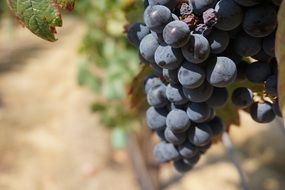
197, 49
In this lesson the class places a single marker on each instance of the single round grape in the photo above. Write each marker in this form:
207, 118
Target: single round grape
262, 112
181, 166
197, 50
187, 150
230, 15
167, 57
156, 118
217, 126
260, 21
271, 85
246, 45
178, 121
258, 72
219, 97
174, 138
200, 94
242, 97
269, 45
219, 41
221, 71
174, 94
168, 3
248, 3
147, 48
170, 75
200, 135
136, 33
194, 160
165, 152
198, 112
156, 17
156, 96
200, 6
151, 81
176, 34
191, 75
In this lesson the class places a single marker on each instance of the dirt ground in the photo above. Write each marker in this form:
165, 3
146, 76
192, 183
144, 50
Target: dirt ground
49, 139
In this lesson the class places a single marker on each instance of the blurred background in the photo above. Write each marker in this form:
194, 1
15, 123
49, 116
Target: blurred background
64, 123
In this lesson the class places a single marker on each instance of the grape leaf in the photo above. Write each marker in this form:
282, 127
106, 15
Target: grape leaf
40, 16
280, 54
136, 95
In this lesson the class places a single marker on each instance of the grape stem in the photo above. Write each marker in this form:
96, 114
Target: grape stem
231, 152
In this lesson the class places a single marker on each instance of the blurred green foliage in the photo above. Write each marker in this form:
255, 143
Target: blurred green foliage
110, 62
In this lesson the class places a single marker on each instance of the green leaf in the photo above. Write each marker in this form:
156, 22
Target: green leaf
40, 16
280, 54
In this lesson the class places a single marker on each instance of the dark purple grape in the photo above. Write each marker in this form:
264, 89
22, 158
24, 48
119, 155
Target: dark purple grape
167, 57
229, 14
198, 112
156, 118
200, 94
181, 166
200, 135
191, 75
199, 6
165, 152
242, 97
258, 72
156, 17
271, 85
262, 112
217, 126
176, 34
197, 50
221, 71
246, 45
178, 121
260, 21
156, 96
187, 150
147, 48
151, 81
219, 41
136, 33
174, 94
174, 138
168, 3
248, 3
269, 45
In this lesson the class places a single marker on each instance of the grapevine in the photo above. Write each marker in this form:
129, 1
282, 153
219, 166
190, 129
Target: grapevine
199, 51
